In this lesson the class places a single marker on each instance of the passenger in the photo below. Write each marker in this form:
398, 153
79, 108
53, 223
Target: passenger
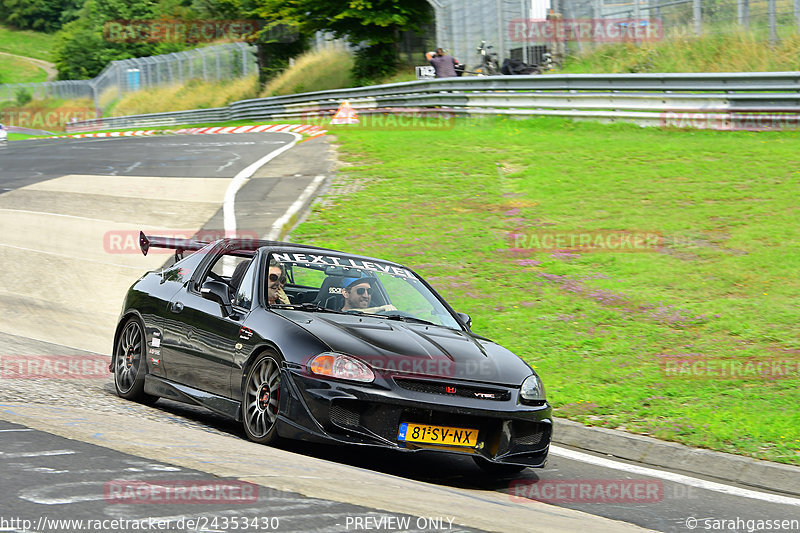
276, 279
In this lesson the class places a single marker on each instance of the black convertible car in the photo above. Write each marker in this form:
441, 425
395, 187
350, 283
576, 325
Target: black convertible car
307, 343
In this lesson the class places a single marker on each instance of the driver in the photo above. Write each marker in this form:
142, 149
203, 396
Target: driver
276, 279
357, 293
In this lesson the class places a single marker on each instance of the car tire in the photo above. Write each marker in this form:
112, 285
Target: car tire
130, 363
496, 469
261, 399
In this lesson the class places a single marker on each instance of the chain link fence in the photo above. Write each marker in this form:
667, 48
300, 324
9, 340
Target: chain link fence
214, 63
517, 28
701, 17
11, 92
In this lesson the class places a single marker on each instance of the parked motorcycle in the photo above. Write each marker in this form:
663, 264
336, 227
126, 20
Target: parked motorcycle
488, 65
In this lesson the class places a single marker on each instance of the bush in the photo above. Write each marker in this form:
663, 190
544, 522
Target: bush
374, 63
23, 96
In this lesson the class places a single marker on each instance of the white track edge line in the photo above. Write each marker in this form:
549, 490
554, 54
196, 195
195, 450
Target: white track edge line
672, 476
277, 226
229, 205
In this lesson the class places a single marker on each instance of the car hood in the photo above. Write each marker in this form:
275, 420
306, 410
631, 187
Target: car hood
414, 349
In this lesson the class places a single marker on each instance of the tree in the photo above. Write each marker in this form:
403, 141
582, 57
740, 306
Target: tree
83, 49
39, 15
276, 43
372, 25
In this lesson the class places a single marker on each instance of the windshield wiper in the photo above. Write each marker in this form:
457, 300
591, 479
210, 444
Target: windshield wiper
406, 318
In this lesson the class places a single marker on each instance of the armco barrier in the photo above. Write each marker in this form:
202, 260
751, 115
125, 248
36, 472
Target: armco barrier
699, 100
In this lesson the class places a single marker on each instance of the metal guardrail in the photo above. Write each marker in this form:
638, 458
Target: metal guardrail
641, 98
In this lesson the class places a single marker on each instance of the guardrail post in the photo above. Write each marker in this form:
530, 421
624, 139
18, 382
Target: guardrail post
698, 17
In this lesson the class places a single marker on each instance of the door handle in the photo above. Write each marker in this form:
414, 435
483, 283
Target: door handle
176, 307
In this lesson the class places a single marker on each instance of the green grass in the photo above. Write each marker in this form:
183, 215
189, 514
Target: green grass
27, 43
16, 70
595, 325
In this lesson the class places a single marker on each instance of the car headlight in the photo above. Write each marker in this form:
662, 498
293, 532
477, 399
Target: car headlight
340, 366
532, 388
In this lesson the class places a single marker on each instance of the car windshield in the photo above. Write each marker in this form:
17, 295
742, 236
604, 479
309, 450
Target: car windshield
330, 283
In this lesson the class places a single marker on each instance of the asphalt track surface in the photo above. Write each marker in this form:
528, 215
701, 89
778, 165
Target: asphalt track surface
44, 473
214, 156
48, 403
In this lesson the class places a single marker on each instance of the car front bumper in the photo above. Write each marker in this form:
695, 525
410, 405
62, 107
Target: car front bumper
509, 431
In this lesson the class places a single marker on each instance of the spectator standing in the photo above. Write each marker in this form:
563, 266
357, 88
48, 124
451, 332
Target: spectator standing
443, 64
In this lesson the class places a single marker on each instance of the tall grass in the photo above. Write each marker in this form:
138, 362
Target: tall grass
719, 52
195, 94
47, 114
319, 70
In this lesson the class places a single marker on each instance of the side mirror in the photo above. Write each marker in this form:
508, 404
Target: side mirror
216, 291
465, 319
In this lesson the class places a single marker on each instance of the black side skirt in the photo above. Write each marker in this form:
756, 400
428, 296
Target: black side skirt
156, 386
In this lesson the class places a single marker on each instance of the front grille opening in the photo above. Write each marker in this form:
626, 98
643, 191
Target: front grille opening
453, 389
529, 433
343, 416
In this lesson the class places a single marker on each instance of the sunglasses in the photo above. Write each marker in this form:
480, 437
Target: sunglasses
363, 290
274, 277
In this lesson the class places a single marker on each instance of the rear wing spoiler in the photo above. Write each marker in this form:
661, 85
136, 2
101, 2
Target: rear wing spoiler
172, 243
246, 247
